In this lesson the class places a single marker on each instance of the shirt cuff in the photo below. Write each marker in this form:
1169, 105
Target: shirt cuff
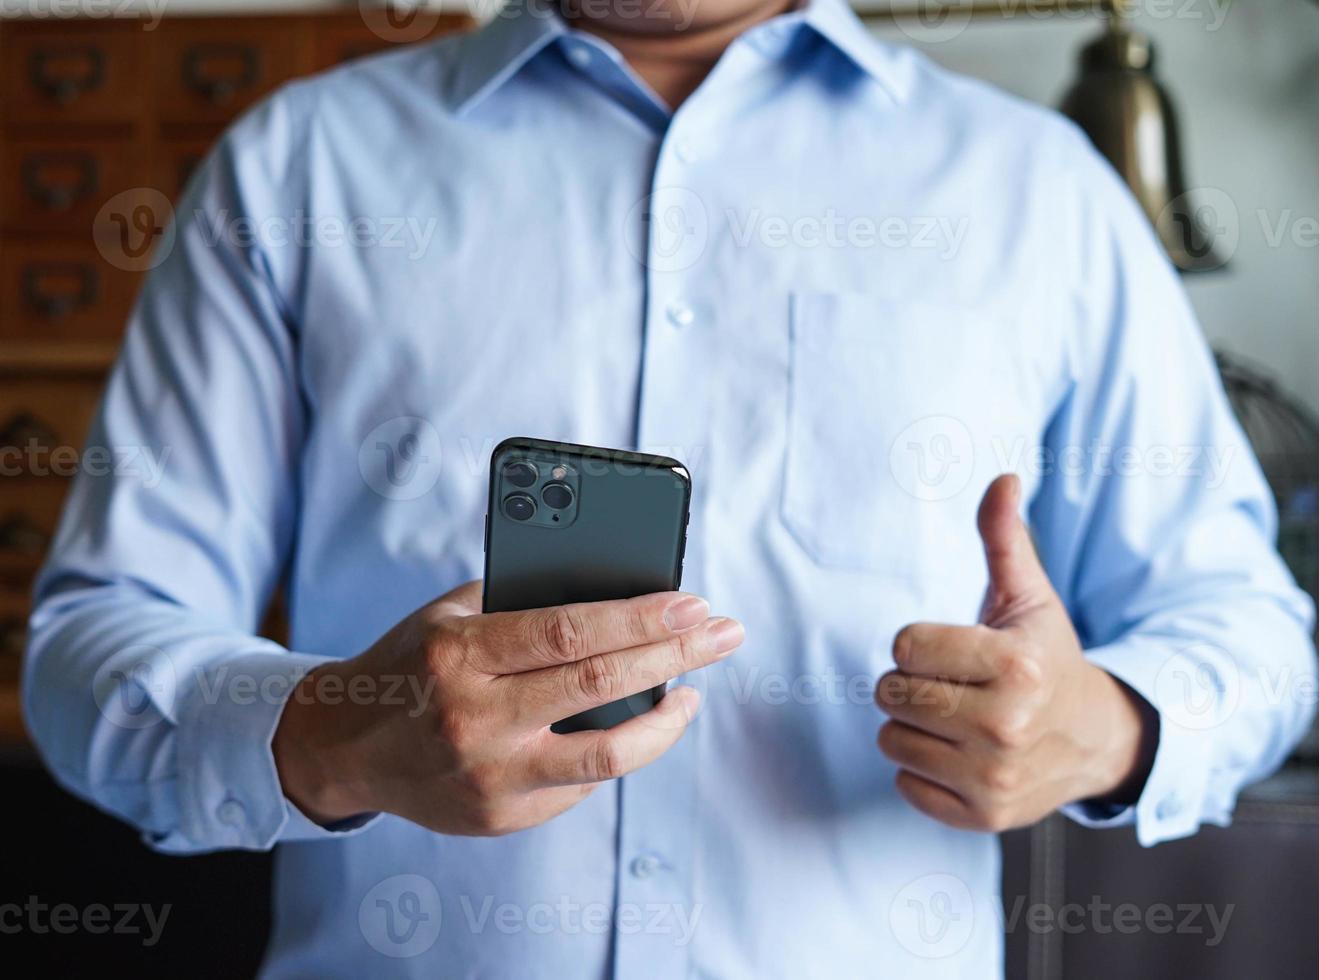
1172, 803
229, 790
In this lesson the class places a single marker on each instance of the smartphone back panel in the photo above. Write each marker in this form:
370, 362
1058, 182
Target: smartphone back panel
569, 523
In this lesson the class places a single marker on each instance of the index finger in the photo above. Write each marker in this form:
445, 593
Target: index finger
514, 642
959, 653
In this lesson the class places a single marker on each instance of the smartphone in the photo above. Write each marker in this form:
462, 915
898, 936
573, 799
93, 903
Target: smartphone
569, 523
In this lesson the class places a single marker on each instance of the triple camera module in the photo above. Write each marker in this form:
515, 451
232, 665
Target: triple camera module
538, 492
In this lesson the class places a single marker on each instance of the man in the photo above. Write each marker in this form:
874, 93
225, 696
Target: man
849, 291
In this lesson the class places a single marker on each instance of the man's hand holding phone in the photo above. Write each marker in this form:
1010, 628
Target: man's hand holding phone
477, 757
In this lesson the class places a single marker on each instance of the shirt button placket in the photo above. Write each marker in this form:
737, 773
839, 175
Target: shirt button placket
657, 825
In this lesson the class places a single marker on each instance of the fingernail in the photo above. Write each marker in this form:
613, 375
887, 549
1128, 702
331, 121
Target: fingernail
687, 612
690, 703
727, 634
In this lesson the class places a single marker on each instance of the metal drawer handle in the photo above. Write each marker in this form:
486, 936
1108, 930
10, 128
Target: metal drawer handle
21, 535
25, 429
60, 194
219, 87
56, 289
62, 84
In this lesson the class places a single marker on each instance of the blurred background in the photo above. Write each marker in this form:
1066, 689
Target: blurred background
1208, 108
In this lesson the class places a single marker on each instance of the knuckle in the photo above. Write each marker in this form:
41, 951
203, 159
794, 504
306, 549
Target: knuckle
448, 641
1023, 666
1002, 778
454, 729
606, 760
636, 621
1010, 729
596, 680
690, 649
562, 634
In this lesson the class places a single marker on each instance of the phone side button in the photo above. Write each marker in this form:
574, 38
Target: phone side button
485, 544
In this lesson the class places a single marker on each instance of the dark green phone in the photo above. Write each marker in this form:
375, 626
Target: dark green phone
569, 523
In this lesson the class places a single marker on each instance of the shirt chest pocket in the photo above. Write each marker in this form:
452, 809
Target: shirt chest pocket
897, 413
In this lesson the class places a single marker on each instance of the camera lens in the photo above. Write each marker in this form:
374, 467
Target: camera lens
520, 473
519, 507
557, 496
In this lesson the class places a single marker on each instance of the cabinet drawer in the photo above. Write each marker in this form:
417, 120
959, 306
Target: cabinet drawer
58, 186
55, 291
68, 70
210, 69
176, 160
43, 424
29, 513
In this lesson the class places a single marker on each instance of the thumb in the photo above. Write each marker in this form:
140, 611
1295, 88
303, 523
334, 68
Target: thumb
1015, 572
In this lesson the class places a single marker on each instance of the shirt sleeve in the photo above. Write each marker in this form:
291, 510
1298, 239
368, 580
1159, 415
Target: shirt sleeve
145, 687
1157, 527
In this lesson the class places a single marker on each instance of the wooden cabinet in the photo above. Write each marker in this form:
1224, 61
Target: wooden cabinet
58, 71
102, 120
57, 291
206, 71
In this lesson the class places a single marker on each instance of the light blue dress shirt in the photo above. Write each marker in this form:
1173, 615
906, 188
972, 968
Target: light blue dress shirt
847, 289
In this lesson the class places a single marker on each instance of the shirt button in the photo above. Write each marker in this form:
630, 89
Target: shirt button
231, 812
680, 314
1168, 808
645, 865
684, 150
579, 55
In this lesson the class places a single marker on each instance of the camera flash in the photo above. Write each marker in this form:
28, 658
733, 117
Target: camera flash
559, 472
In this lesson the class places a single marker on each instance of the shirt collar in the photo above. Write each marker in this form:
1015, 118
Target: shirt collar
523, 28
837, 23
495, 52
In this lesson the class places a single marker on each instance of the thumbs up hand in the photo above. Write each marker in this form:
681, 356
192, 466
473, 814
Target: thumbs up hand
994, 726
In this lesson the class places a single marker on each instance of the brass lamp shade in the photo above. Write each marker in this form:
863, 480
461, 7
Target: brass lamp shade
1129, 118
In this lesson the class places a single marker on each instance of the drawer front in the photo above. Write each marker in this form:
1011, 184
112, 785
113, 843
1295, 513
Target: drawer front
340, 39
177, 159
29, 514
58, 186
210, 69
58, 71
58, 291
43, 424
